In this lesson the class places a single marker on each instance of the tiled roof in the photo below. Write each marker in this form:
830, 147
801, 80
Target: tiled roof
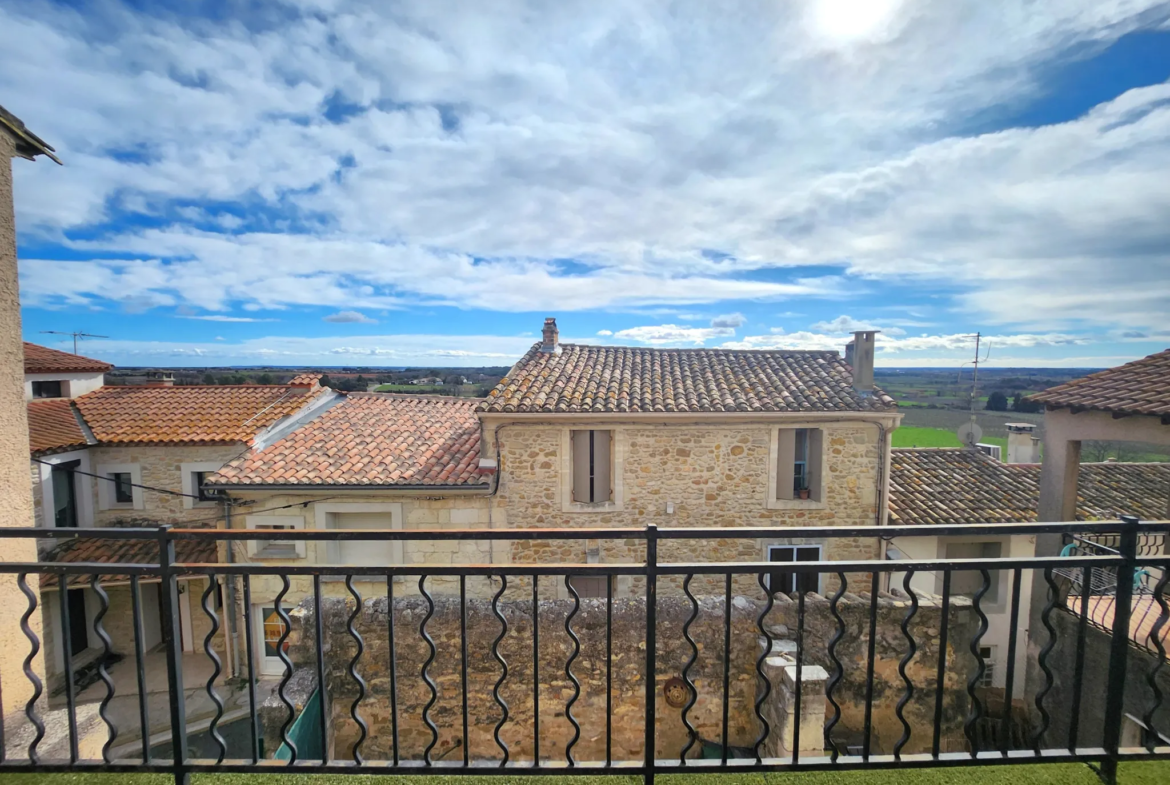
306, 380
1139, 387
371, 439
53, 427
628, 379
28, 144
110, 551
42, 359
187, 414
941, 486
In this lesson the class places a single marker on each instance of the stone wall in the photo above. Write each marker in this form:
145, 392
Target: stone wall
628, 672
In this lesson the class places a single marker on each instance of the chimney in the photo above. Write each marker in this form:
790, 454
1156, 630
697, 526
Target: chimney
160, 379
859, 356
549, 343
1023, 444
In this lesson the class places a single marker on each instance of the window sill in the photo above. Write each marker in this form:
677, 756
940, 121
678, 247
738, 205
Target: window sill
276, 553
592, 507
795, 504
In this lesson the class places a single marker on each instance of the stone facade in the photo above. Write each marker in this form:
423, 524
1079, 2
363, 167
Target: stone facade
626, 711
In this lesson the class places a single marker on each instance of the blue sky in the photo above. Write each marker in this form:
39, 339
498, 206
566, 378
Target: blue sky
422, 183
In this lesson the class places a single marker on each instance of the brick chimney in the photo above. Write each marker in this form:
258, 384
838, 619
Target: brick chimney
550, 337
859, 356
1023, 444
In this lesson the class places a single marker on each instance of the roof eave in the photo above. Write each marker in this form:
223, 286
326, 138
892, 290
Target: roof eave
317, 487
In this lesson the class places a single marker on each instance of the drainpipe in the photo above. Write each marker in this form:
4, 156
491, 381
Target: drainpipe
233, 626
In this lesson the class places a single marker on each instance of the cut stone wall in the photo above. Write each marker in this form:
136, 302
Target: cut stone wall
628, 672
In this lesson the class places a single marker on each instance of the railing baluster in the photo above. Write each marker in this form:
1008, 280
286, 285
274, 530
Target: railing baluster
871, 653
650, 750
107, 650
1122, 636
286, 628
172, 636
799, 674
353, 673
1042, 661
67, 661
692, 695
249, 636
1010, 682
1074, 720
140, 666
536, 671
393, 667
976, 712
1152, 673
763, 694
911, 650
217, 668
838, 669
726, 665
34, 648
569, 672
608, 670
940, 676
322, 691
424, 672
463, 661
503, 669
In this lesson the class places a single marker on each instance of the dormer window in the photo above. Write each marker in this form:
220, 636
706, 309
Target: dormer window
47, 389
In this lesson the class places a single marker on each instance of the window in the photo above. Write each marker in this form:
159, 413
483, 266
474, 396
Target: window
123, 488
204, 494
367, 553
46, 390
967, 583
592, 466
65, 495
798, 463
590, 585
276, 549
988, 655
269, 629
194, 475
788, 581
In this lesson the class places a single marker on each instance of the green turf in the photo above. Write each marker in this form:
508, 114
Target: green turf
1144, 773
938, 437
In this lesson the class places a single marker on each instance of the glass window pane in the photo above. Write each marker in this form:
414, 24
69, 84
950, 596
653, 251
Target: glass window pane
123, 492
273, 629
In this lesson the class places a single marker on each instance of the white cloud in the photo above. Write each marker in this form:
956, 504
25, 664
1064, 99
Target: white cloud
731, 320
672, 334
945, 347
221, 318
485, 146
605, 332
348, 317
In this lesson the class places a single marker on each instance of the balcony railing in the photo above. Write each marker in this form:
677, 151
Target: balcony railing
873, 671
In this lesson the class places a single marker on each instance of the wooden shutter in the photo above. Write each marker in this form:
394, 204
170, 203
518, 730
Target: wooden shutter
602, 466
785, 463
815, 451
579, 460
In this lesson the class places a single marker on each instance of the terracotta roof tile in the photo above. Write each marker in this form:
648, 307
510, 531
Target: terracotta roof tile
119, 551
42, 359
53, 427
629, 379
372, 439
1139, 387
941, 486
187, 414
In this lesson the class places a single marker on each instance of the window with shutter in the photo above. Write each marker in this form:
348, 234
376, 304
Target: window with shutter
788, 581
798, 466
592, 466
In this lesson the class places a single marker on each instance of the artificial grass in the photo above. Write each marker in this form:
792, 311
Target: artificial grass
1137, 773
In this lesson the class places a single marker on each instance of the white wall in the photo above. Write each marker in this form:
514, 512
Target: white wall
73, 384
83, 486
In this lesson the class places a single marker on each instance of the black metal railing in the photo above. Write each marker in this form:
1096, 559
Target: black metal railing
756, 695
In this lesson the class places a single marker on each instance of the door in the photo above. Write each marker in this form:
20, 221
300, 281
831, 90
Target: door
78, 624
65, 495
269, 629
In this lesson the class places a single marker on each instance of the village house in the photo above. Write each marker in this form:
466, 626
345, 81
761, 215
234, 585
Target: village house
136, 456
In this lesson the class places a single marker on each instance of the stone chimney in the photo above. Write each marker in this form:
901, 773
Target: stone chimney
159, 379
859, 356
1023, 444
550, 337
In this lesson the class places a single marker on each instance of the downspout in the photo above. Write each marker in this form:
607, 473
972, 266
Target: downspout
233, 625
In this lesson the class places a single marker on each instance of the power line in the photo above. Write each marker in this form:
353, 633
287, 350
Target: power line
76, 334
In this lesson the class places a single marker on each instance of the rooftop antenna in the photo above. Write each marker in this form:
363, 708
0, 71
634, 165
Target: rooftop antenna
970, 433
76, 334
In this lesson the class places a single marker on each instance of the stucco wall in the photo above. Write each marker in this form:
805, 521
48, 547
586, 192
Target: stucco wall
73, 384
15, 491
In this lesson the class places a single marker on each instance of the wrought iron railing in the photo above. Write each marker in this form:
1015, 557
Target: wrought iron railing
870, 720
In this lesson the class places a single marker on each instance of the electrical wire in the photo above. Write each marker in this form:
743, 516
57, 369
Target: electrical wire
132, 484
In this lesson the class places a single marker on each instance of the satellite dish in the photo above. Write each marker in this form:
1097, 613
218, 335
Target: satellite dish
970, 434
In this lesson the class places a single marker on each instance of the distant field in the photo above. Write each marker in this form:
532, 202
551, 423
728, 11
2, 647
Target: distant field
415, 388
936, 437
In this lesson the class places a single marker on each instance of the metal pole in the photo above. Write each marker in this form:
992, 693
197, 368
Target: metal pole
651, 644
1119, 647
172, 638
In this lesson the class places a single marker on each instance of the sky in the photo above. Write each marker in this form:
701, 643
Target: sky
422, 183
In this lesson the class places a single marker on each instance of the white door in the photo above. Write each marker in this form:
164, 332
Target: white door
364, 552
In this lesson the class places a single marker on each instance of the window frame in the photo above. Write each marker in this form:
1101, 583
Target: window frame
269, 665
322, 519
259, 550
819, 467
107, 495
796, 548
62, 389
617, 452
190, 486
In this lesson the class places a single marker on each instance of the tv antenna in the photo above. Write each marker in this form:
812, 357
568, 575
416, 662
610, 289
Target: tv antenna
76, 334
970, 433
